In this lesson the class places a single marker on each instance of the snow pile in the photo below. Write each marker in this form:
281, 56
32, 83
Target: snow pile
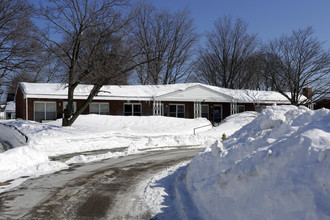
231, 124
160, 188
95, 132
276, 167
23, 162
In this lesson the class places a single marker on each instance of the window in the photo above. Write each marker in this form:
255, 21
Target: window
44, 111
240, 108
259, 108
205, 111
133, 109
176, 110
99, 108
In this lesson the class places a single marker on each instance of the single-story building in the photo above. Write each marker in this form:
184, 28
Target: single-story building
46, 101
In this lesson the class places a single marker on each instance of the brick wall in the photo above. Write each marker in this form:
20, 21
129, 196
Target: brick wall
117, 107
20, 104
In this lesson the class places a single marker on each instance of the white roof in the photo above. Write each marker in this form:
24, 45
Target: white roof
10, 107
252, 96
173, 92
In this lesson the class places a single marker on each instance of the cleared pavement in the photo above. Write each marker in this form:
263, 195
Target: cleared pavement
107, 189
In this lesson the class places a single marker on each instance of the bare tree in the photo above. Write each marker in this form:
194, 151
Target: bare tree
87, 36
167, 41
222, 62
108, 59
17, 43
299, 62
41, 67
258, 67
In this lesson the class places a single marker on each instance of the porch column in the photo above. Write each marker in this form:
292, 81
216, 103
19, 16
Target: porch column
233, 108
197, 109
310, 106
157, 108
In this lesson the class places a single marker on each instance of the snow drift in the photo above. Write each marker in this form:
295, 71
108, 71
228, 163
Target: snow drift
276, 167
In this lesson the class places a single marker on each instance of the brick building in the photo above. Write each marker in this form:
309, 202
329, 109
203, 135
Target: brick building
46, 101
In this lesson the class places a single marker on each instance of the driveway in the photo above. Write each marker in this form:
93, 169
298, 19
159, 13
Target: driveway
109, 189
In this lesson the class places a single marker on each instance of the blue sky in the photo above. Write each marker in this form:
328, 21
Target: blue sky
268, 18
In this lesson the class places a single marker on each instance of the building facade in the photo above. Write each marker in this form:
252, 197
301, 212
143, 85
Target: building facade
47, 101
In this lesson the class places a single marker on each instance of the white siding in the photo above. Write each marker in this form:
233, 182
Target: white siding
196, 93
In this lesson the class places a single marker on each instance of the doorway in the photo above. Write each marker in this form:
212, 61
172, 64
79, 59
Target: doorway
217, 114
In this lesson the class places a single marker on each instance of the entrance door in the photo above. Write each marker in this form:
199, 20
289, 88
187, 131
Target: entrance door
217, 114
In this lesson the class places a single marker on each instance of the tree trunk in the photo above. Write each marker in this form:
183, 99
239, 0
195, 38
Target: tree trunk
68, 121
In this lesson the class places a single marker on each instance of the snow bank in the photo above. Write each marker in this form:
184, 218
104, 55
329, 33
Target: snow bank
95, 132
24, 161
231, 124
276, 167
158, 189
132, 125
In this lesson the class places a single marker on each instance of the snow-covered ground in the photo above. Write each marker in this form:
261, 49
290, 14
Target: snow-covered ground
92, 133
276, 167
273, 165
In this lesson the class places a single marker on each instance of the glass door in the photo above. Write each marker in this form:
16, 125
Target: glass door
217, 114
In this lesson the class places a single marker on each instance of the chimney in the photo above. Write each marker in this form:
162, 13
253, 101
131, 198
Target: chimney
308, 92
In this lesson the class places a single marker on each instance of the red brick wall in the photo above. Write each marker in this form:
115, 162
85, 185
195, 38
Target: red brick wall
20, 104
248, 106
117, 107
324, 103
188, 108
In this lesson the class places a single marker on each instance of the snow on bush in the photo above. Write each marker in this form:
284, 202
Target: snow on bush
276, 167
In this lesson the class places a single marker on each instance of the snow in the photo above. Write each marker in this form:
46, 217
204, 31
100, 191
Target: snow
10, 107
131, 134
147, 92
231, 124
159, 187
140, 92
254, 96
276, 167
273, 165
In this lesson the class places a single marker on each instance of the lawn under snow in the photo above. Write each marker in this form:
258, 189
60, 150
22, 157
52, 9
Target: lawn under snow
276, 167
127, 134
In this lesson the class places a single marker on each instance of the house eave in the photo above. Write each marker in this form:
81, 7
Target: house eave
84, 97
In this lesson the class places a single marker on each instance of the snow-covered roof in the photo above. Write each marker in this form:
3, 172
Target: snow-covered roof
113, 92
10, 107
151, 92
253, 96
